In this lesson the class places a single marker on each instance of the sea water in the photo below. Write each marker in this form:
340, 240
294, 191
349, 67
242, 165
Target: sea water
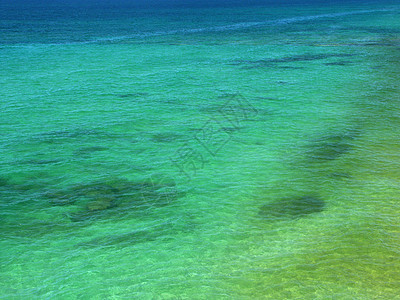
242, 152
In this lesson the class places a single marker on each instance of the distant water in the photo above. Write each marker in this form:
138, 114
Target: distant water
209, 153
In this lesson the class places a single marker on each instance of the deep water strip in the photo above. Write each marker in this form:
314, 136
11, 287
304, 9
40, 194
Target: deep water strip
237, 26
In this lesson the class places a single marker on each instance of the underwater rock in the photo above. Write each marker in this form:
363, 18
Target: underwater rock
133, 95
372, 29
140, 235
231, 129
96, 189
43, 161
376, 43
86, 151
340, 175
297, 58
100, 204
60, 198
4, 182
282, 82
290, 68
87, 215
274, 62
291, 208
81, 135
339, 63
332, 147
60, 136
268, 98
92, 192
68, 133
33, 228
125, 239
330, 150
117, 196
165, 137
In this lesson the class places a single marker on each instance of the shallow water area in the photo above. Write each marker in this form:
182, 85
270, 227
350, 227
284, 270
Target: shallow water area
236, 153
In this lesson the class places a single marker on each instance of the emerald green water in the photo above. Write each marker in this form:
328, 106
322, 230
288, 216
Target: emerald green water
230, 153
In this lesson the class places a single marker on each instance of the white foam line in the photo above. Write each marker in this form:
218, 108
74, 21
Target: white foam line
240, 25
333, 15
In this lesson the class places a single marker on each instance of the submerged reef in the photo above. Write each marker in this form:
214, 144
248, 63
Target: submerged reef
125, 239
133, 95
43, 161
60, 135
291, 208
339, 63
79, 205
117, 195
130, 238
87, 151
4, 182
276, 62
165, 137
331, 147
373, 29
82, 135
340, 175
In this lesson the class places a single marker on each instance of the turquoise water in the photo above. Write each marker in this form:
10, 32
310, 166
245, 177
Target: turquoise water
221, 153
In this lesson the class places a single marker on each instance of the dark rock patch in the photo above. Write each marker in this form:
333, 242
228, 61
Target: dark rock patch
100, 204
141, 235
60, 136
375, 44
68, 133
282, 82
4, 182
135, 237
87, 215
275, 62
60, 198
290, 68
133, 95
339, 63
125, 239
87, 151
43, 161
332, 147
114, 197
231, 129
292, 208
308, 57
378, 30
81, 135
339, 175
268, 98
165, 137
33, 229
